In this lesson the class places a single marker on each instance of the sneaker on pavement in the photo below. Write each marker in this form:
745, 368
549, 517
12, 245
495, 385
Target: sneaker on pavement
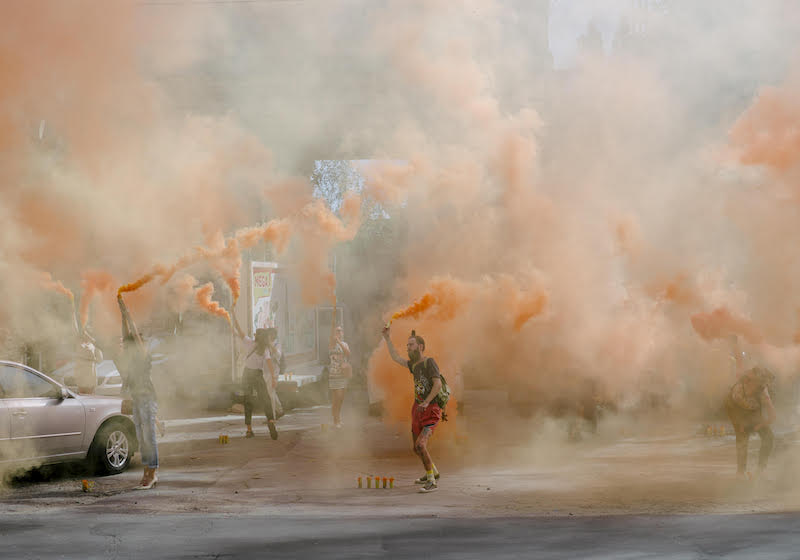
424, 478
430, 486
273, 433
249, 435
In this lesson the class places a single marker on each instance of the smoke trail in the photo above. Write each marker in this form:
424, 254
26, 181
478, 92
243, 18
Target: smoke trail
182, 293
203, 299
48, 283
92, 282
319, 226
500, 296
447, 295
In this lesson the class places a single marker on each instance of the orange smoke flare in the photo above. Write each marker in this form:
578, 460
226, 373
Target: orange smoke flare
446, 294
721, 323
202, 297
417, 308
133, 286
93, 282
165, 272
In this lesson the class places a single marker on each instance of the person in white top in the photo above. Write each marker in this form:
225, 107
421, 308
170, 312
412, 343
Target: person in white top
339, 372
259, 370
87, 356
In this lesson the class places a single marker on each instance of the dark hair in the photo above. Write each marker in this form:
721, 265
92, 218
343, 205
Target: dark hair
419, 339
272, 332
261, 338
761, 375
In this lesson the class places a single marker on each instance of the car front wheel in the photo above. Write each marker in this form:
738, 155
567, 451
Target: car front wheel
112, 449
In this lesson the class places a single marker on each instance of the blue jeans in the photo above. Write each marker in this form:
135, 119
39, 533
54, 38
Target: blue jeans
144, 418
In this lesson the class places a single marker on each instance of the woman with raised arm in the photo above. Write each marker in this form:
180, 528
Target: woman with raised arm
135, 365
258, 371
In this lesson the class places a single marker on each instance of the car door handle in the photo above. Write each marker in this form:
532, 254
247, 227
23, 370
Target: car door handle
20, 413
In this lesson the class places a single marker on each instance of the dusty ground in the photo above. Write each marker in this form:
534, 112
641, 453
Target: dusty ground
507, 467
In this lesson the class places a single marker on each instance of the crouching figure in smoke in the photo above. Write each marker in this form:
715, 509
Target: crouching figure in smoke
426, 411
135, 365
750, 409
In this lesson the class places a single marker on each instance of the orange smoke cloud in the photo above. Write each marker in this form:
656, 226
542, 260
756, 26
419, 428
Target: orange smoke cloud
92, 282
387, 182
317, 218
321, 228
183, 291
226, 258
277, 232
202, 297
49, 283
527, 306
676, 290
767, 133
721, 323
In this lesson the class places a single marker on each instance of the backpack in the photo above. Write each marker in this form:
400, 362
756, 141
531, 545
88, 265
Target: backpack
444, 393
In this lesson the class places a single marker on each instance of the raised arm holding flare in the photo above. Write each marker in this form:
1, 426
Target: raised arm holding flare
135, 365
426, 411
258, 371
392, 351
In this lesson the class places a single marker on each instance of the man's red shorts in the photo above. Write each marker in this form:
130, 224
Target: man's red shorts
428, 417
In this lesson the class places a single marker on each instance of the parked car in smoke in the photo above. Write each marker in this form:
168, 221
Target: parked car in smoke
41, 421
109, 380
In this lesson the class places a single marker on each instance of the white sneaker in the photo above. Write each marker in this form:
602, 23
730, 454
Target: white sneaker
430, 486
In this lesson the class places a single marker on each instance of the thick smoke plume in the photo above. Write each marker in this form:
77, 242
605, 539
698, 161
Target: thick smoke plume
596, 220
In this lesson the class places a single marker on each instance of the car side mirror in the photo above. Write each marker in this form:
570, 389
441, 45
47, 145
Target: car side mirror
62, 393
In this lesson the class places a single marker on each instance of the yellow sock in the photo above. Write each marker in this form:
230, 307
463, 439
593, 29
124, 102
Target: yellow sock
435, 470
430, 476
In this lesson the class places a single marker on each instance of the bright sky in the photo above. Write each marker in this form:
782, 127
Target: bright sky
570, 19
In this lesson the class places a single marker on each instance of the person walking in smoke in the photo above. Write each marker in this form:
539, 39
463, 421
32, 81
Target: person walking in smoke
750, 409
340, 370
279, 367
258, 371
135, 365
426, 411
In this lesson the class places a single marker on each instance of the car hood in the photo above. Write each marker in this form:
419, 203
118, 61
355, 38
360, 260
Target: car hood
99, 400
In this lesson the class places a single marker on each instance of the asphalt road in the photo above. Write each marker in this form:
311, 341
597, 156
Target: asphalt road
120, 536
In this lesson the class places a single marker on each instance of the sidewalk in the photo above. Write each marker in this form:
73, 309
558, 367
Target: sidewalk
183, 434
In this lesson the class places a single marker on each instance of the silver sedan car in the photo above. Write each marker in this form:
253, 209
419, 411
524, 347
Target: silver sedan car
41, 421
